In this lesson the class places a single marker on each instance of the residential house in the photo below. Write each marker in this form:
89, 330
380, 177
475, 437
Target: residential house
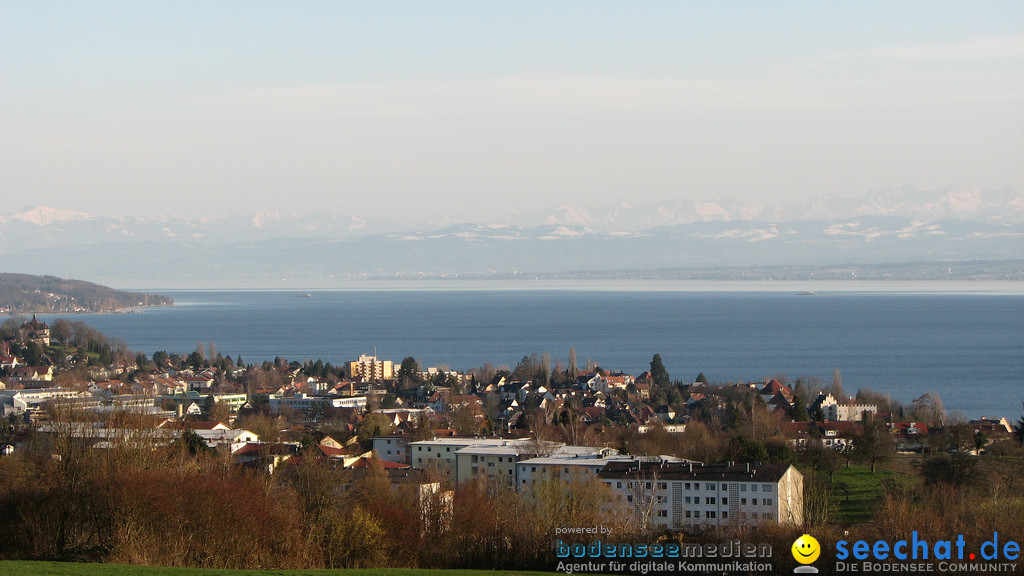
773, 387
643, 390
665, 412
992, 426
834, 435
8, 362
32, 374
231, 439
592, 414
347, 455
909, 436
264, 456
35, 331
781, 402
199, 382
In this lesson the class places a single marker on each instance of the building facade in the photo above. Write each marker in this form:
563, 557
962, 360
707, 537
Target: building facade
464, 458
392, 448
370, 369
674, 495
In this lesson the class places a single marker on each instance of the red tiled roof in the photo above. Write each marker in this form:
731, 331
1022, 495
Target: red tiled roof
332, 452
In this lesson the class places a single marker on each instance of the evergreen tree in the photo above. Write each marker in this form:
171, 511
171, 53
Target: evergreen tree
658, 372
408, 373
798, 411
193, 442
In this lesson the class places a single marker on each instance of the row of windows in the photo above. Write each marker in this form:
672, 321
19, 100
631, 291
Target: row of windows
725, 515
694, 486
565, 470
707, 514
707, 500
709, 487
725, 501
475, 470
476, 458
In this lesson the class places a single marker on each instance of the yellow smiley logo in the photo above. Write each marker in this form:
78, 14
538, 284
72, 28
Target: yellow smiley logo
806, 549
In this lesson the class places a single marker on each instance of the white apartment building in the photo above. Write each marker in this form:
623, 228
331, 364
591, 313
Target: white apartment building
498, 461
568, 463
438, 453
20, 401
672, 495
462, 458
305, 402
392, 448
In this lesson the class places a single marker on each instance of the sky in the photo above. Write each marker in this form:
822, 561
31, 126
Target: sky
467, 111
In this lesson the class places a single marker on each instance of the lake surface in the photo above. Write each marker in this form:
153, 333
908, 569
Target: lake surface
968, 347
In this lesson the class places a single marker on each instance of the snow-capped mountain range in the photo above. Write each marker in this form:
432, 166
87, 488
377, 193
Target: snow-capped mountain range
907, 225
955, 203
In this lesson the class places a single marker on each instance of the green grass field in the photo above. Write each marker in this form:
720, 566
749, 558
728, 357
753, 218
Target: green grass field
19, 568
858, 503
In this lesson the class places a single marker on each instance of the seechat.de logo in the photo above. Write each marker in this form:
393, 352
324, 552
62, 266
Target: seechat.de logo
805, 551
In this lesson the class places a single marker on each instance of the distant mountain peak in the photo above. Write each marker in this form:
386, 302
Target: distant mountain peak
570, 215
45, 215
264, 217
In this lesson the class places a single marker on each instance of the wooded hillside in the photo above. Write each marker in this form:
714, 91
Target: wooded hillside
26, 294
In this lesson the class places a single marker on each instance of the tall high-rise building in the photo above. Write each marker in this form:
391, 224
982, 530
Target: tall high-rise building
370, 369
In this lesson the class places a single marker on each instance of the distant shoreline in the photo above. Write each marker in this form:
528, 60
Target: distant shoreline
994, 287
125, 310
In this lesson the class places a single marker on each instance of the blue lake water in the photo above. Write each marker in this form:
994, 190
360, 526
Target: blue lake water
968, 347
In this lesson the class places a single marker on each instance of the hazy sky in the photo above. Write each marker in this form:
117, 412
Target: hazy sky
468, 110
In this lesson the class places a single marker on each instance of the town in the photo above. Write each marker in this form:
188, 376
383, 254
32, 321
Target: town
576, 445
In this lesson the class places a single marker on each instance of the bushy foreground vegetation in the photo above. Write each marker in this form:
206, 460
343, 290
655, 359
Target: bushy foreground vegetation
63, 500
